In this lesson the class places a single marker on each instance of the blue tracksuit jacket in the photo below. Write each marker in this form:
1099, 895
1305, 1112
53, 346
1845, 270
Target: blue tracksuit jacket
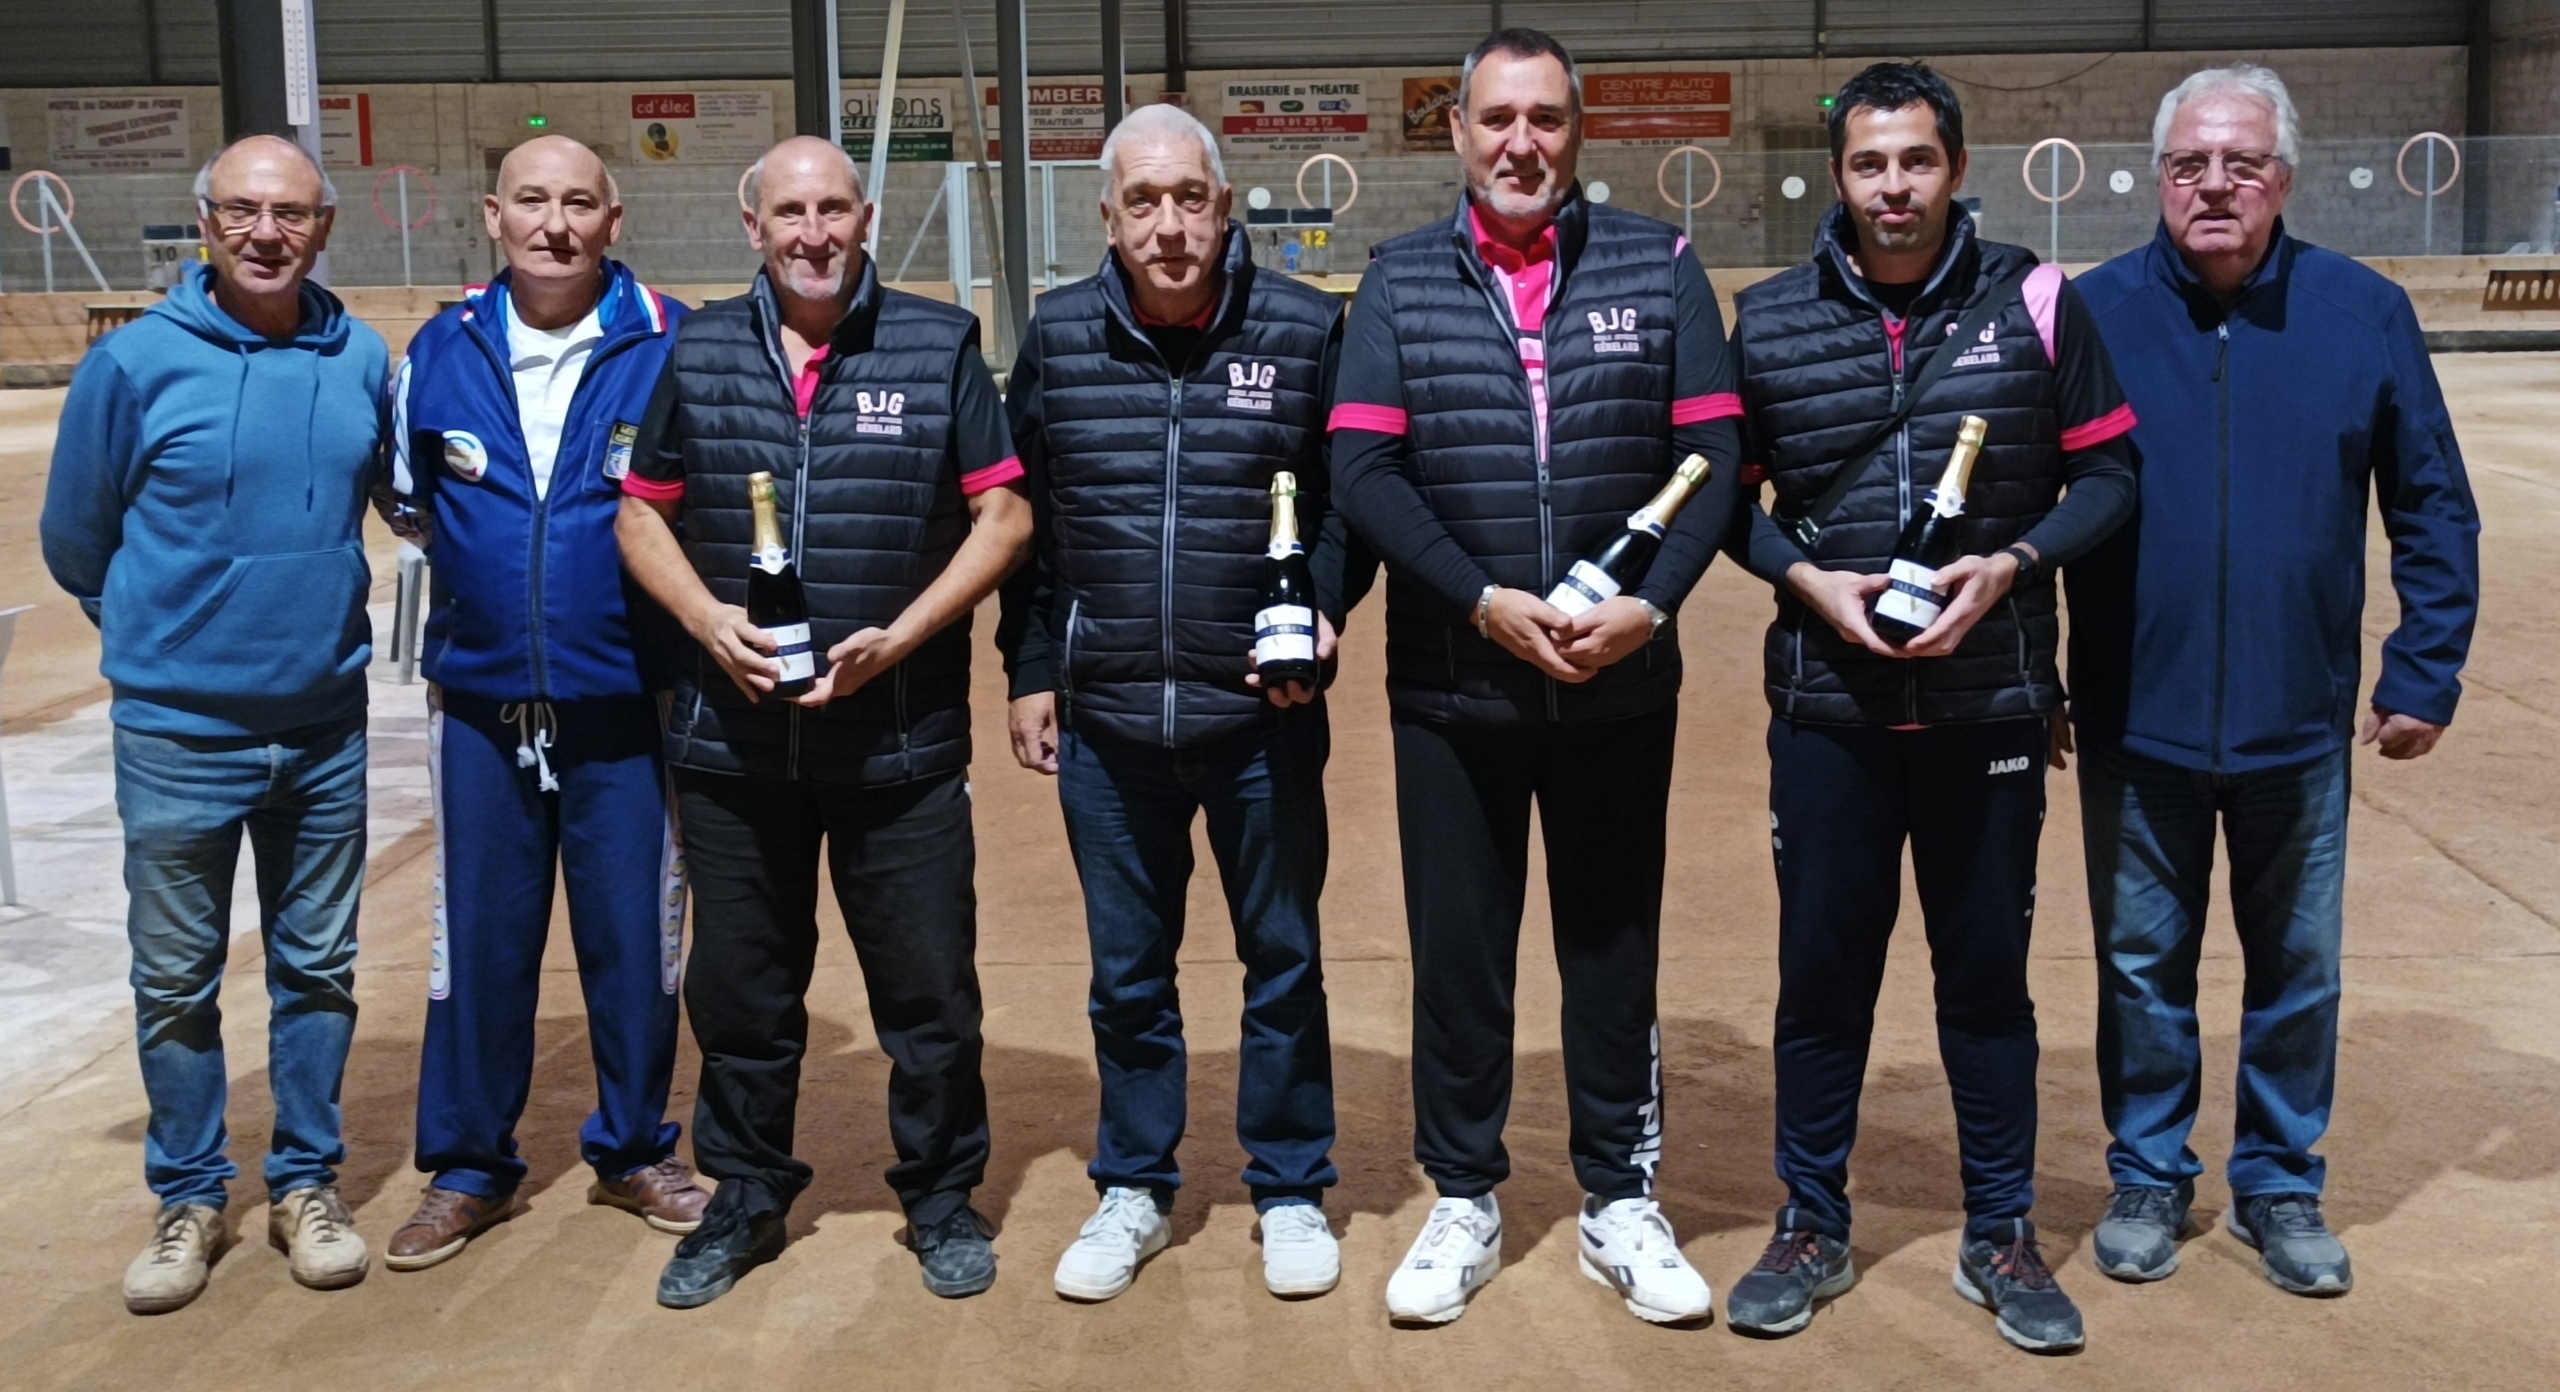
2221, 629
531, 602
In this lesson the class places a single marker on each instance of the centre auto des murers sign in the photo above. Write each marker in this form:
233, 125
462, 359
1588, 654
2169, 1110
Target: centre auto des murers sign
1629, 109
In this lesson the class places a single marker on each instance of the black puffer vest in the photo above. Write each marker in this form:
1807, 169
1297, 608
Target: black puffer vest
1159, 494
1472, 436
871, 510
1819, 369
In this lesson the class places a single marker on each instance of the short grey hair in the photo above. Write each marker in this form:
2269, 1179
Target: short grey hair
2237, 80
1160, 124
751, 188
204, 176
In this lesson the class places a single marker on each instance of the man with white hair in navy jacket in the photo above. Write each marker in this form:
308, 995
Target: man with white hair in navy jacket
2281, 390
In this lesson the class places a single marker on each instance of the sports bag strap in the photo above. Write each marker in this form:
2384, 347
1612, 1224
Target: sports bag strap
1807, 526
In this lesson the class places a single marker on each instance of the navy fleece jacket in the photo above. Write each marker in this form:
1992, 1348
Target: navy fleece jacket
206, 508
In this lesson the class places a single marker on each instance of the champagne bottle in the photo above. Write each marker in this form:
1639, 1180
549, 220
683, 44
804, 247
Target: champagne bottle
1622, 560
774, 599
1932, 539
1284, 630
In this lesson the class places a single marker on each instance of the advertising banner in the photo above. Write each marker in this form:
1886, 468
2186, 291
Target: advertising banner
1426, 113
121, 135
346, 130
1657, 108
1293, 117
732, 128
1066, 122
919, 129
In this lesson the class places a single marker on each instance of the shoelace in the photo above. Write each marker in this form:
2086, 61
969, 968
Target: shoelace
1644, 1222
2022, 1261
535, 729
435, 1208
2142, 1206
322, 1217
1291, 1224
180, 1230
670, 1172
1787, 1249
1121, 1215
2294, 1217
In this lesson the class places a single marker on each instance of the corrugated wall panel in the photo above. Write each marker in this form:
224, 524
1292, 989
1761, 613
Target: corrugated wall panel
399, 40
641, 40
1065, 37
1640, 29
1925, 27
190, 44
2307, 23
1264, 34
52, 45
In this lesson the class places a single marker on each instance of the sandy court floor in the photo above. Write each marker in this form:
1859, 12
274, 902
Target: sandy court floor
2445, 1156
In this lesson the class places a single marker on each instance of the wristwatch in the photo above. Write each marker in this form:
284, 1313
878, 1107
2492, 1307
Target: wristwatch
1483, 616
2028, 565
1657, 615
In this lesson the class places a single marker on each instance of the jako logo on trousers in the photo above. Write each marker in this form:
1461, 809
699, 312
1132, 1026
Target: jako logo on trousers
1249, 385
880, 413
2019, 764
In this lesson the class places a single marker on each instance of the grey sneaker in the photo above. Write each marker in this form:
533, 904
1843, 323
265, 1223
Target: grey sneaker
957, 1258
312, 1227
2296, 1250
2138, 1239
185, 1239
2011, 1280
1798, 1269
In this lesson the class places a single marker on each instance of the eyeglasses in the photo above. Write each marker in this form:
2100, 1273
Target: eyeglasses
2187, 168
240, 216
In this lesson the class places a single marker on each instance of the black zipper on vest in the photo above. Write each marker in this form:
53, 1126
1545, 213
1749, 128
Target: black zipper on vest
2222, 557
1546, 508
799, 497
1896, 355
1172, 484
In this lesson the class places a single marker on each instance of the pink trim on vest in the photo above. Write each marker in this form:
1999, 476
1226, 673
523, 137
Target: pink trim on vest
2043, 294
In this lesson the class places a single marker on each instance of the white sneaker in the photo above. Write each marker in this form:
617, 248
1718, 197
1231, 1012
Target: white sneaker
313, 1228
173, 1269
1121, 1234
1628, 1247
1459, 1250
1299, 1255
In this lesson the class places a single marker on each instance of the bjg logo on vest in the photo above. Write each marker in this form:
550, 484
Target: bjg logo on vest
1614, 330
1249, 385
880, 413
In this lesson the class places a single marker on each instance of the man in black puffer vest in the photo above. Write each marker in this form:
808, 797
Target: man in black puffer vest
877, 417
1517, 379
1153, 403
1940, 742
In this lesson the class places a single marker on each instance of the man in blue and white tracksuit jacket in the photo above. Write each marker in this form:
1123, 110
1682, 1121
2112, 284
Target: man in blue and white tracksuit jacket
514, 418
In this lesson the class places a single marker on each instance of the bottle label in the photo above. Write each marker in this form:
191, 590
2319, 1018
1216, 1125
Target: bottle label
770, 560
1584, 588
1284, 633
1913, 597
791, 649
1283, 550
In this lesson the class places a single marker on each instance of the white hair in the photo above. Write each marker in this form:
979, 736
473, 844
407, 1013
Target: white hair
2238, 80
1160, 124
751, 188
204, 176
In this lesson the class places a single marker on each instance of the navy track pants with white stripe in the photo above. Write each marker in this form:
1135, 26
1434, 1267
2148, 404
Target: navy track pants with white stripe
609, 826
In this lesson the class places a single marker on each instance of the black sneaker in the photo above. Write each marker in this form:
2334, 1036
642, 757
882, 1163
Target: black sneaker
729, 1244
1799, 1268
2296, 1250
957, 1258
2011, 1280
2138, 1239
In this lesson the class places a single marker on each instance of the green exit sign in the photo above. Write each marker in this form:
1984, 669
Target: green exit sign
536, 121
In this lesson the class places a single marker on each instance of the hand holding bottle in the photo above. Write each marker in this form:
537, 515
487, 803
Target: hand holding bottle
1526, 627
743, 650
1287, 693
1840, 598
852, 664
1972, 585
1606, 633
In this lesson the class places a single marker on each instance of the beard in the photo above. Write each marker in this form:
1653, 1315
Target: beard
808, 284
1922, 232
1519, 206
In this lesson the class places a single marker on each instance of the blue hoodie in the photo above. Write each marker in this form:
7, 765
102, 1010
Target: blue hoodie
2221, 630
206, 508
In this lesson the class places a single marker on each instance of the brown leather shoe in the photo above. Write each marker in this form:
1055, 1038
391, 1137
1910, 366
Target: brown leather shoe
664, 1195
444, 1224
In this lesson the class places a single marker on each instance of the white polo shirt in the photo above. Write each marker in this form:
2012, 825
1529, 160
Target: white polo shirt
547, 365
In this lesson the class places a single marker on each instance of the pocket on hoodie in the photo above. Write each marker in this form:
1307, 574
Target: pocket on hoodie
285, 617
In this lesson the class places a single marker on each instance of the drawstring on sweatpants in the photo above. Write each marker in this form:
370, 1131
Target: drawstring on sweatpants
536, 727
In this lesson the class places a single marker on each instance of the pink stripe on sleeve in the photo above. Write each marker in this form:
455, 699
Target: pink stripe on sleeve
1696, 410
2097, 432
995, 475
1355, 415
651, 490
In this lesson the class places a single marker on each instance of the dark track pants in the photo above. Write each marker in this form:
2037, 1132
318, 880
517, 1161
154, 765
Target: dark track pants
904, 862
501, 840
1463, 795
1842, 800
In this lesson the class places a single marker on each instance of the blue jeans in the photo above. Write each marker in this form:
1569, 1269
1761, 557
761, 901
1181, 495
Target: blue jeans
300, 795
1129, 808
2148, 828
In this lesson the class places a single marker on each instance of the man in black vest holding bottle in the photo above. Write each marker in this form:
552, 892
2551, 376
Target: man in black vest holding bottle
1517, 379
1845, 365
878, 420
1153, 404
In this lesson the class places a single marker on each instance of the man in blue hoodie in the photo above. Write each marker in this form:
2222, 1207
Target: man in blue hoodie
513, 427
206, 507
2215, 647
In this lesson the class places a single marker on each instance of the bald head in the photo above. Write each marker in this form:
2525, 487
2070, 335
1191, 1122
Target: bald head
804, 211
265, 209
271, 161
555, 213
